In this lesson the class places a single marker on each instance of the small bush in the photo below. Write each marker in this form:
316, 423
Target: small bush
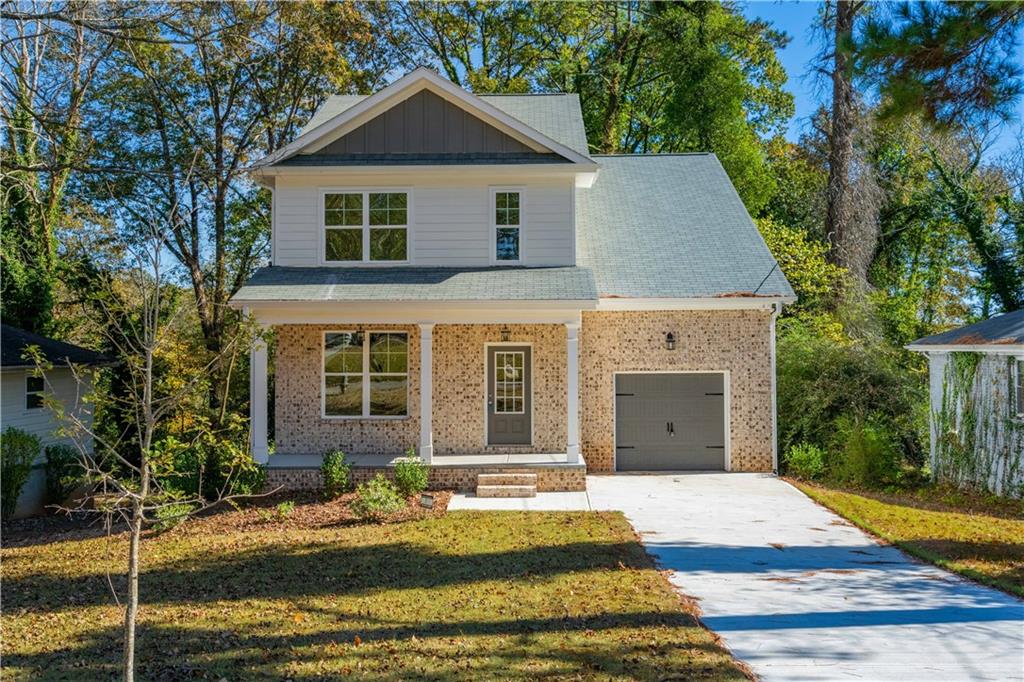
377, 499
170, 515
335, 472
867, 452
17, 452
411, 474
281, 512
805, 460
63, 471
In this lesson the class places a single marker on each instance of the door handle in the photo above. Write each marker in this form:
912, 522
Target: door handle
490, 399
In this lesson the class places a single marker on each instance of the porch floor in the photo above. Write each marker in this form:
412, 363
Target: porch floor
472, 460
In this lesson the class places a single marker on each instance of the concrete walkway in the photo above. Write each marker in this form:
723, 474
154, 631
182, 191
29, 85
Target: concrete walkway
799, 594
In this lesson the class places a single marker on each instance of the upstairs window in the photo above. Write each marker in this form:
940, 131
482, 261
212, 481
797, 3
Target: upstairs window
366, 374
366, 227
34, 388
1018, 385
508, 225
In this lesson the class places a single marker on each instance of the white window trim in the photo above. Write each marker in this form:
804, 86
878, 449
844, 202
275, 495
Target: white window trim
493, 222
41, 393
365, 191
365, 374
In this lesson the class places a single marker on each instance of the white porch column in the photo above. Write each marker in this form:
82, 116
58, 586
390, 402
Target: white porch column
427, 392
258, 401
572, 387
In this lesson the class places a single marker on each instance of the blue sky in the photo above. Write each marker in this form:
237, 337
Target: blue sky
797, 19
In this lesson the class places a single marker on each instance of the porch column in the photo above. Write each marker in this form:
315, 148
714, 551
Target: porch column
427, 392
572, 387
258, 401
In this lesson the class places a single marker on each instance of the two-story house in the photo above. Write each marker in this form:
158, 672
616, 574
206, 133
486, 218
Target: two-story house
457, 273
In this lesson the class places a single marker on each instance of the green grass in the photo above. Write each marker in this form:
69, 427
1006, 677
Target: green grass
461, 596
981, 538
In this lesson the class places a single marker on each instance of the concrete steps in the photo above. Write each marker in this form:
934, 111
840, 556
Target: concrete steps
506, 485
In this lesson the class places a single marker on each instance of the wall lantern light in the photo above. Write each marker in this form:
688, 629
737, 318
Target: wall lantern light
505, 334
670, 341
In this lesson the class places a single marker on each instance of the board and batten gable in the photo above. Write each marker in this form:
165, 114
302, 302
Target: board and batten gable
450, 216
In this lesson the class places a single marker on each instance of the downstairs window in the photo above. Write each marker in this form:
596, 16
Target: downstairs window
365, 374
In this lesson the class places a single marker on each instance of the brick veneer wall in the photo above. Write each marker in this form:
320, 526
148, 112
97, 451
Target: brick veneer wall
299, 426
735, 340
461, 479
460, 386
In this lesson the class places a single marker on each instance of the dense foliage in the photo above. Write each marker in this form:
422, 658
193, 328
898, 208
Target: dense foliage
335, 472
411, 474
377, 499
18, 450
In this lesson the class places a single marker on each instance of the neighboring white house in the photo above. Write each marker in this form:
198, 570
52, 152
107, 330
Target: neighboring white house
21, 400
976, 376
457, 273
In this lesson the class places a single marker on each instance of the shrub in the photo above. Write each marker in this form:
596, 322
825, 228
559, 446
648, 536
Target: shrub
17, 452
377, 499
805, 460
335, 472
281, 512
212, 464
170, 515
63, 471
411, 474
866, 451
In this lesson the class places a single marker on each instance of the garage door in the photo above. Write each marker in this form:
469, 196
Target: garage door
667, 422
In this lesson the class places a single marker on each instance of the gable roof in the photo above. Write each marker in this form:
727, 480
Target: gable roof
996, 333
557, 115
671, 226
14, 341
330, 124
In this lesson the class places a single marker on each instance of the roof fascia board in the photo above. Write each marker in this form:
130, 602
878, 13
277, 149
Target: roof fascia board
404, 312
351, 118
391, 169
732, 303
991, 348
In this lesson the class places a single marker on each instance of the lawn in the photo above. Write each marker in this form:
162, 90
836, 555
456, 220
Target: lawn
980, 538
465, 595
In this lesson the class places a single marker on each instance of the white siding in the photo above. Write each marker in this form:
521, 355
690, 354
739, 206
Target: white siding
40, 422
451, 217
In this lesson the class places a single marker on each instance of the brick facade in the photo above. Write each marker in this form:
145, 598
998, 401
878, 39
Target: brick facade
738, 341
460, 479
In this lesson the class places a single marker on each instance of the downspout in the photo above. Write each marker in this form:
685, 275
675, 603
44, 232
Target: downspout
776, 309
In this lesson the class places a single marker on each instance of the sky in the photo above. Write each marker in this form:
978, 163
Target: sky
796, 18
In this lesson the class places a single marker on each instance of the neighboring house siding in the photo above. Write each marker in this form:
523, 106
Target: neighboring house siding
451, 217
460, 387
299, 426
737, 341
991, 454
39, 422
424, 124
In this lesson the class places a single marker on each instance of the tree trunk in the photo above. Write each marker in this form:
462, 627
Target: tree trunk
840, 152
132, 609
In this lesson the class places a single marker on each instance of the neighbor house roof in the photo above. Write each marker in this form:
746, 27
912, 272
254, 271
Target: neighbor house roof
557, 115
671, 226
275, 283
14, 342
1001, 332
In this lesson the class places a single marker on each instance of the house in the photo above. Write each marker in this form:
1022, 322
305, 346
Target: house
976, 394
457, 273
23, 390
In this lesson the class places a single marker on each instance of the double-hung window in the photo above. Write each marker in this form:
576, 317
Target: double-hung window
34, 388
366, 374
365, 226
507, 209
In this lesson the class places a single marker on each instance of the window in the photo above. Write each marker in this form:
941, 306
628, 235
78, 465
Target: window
507, 226
1018, 381
34, 387
366, 226
366, 374
508, 382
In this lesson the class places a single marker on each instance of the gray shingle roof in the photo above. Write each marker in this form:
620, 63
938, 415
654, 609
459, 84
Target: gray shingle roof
671, 226
556, 115
1003, 330
277, 283
14, 341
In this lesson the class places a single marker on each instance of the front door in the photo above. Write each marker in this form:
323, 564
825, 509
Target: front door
509, 395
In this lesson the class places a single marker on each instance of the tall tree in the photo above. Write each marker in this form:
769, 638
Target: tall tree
953, 61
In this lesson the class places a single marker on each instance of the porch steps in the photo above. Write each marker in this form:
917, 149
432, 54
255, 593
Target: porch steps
506, 485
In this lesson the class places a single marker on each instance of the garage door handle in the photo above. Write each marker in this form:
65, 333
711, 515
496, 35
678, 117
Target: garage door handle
715, 447
714, 394
671, 428
625, 447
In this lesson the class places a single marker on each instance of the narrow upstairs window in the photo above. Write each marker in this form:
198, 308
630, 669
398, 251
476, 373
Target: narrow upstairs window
508, 226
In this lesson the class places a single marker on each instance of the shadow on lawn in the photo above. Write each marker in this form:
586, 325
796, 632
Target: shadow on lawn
311, 569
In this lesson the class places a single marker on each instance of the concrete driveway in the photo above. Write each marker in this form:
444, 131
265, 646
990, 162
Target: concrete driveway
799, 594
